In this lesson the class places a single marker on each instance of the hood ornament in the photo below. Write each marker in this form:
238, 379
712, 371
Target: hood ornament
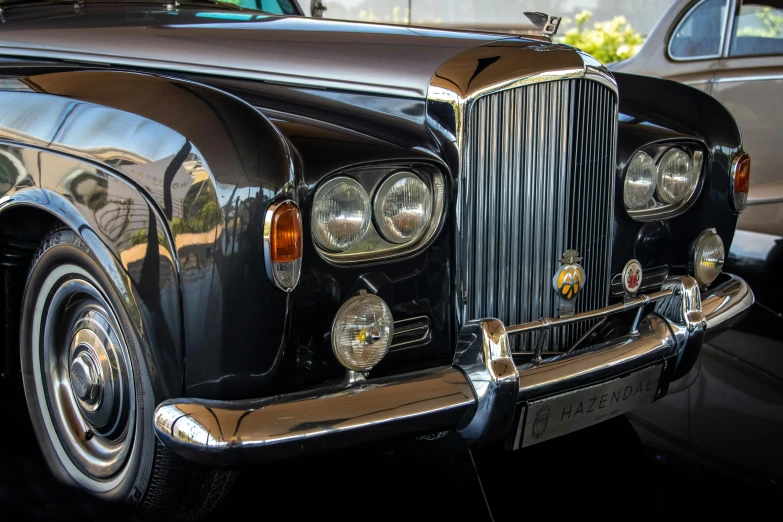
568, 281
547, 24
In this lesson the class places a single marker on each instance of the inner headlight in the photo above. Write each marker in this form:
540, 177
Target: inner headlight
640, 178
341, 214
708, 257
403, 207
677, 178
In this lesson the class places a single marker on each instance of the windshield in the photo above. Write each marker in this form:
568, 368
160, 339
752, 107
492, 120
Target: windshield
279, 7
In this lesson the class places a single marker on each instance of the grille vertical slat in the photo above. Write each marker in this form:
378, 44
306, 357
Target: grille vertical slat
538, 179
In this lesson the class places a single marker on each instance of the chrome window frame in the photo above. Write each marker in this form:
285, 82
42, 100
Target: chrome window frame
721, 46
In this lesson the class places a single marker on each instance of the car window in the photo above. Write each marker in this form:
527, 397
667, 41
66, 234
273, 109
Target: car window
700, 32
279, 7
758, 28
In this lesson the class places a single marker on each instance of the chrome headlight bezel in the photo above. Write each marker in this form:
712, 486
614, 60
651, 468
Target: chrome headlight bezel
374, 246
657, 208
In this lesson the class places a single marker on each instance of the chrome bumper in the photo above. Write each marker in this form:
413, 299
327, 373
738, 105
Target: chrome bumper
480, 395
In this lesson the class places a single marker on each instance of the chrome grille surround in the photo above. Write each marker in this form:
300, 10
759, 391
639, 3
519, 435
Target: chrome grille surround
555, 171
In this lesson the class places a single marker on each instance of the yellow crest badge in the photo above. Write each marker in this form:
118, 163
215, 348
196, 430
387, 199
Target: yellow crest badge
570, 278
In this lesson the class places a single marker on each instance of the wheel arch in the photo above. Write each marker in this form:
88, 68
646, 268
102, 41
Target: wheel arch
166, 369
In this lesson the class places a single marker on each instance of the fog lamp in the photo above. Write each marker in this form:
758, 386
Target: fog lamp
362, 332
708, 257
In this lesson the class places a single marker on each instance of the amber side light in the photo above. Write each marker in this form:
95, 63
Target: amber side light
286, 234
740, 178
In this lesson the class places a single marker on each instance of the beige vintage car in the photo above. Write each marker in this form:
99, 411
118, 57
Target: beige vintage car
732, 49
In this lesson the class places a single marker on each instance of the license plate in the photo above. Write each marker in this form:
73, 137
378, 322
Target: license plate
555, 416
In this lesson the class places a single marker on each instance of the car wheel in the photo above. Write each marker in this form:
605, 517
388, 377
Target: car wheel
89, 393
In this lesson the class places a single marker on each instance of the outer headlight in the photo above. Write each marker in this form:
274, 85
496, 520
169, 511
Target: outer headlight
640, 180
403, 207
708, 257
341, 214
677, 178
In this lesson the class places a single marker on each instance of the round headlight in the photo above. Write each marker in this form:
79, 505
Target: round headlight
403, 207
708, 257
676, 177
341, 214
362, 332
640, 179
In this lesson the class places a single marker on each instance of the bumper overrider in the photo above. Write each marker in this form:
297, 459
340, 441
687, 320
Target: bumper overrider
484, 395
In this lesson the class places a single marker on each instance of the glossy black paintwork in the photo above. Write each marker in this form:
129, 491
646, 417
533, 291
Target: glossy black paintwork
383, 59
209, 165
661, 111
239, 336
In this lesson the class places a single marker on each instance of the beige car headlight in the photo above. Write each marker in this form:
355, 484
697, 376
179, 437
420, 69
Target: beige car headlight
640, 181
403, 207
362, 332
708, 257
677, 179
341, 214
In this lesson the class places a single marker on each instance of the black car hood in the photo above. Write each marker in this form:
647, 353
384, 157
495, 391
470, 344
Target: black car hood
373, 58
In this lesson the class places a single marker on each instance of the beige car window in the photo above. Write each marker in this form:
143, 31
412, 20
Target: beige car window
700, 32
758, 29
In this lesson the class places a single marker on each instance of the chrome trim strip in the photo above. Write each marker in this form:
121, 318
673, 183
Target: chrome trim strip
231, 433
551, 322
682, 20
418, 327
756, 78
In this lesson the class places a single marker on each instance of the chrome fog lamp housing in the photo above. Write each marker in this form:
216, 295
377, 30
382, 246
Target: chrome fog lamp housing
403, 207
341, 214
708, 257
677, 179
362, 332
640, 181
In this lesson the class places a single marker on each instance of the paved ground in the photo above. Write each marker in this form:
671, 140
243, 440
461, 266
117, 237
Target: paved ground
607, 469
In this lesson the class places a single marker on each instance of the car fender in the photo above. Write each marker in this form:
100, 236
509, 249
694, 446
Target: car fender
210, 165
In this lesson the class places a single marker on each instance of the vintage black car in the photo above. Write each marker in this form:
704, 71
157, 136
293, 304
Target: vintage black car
230, 236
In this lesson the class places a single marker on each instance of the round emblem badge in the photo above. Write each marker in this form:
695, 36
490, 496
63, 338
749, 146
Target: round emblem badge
632, 277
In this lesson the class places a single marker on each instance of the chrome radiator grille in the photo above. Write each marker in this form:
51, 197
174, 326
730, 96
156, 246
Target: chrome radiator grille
537, 180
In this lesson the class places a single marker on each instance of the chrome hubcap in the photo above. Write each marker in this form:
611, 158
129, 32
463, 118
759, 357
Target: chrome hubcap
87, 379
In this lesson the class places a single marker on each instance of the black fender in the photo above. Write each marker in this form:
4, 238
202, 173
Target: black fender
209, 165
655, 110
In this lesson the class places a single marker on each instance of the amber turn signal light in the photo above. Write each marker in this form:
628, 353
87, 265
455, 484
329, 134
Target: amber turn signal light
740, 181
283, 244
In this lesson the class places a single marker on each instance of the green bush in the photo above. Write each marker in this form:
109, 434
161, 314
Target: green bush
609, 41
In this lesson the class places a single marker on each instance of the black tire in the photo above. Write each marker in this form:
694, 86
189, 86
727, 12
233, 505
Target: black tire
71, 311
